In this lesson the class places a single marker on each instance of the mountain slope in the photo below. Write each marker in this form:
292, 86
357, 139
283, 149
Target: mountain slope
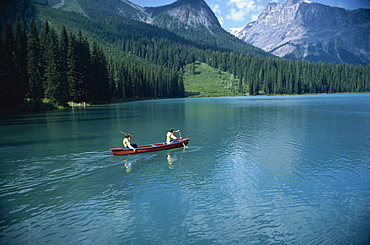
147, 61
186, 12
191, 19
300, 29
194, 20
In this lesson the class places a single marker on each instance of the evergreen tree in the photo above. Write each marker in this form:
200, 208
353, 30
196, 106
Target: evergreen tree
34, 64
45, 43
63, 49
8, 72
55, 82
100, 88
21, 62
74, 77
83, 58
64, 68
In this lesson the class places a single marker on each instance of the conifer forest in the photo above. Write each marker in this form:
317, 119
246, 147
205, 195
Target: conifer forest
40, 60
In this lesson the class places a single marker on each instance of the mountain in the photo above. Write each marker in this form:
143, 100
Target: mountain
300, 29
192, 20
113, 50
192, 13
195, 21
236, 30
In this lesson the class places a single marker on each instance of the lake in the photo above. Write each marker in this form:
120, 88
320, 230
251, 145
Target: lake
257, 170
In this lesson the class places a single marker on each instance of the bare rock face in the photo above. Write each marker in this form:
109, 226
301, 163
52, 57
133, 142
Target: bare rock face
299, 29
185, 12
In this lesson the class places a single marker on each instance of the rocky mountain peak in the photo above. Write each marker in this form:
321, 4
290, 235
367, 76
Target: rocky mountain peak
301, 29
187, 12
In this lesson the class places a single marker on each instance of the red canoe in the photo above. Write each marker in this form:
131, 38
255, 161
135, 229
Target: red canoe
149, 148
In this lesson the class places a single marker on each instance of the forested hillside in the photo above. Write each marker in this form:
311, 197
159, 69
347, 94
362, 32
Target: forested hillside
65, 67
195, 21
66, 56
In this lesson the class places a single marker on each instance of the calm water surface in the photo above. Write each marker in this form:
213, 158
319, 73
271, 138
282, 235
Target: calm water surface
257, 170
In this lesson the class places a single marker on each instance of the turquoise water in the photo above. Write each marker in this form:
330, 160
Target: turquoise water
257, 170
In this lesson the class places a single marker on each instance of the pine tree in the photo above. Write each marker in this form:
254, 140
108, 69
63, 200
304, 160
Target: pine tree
21, 62
83, 58
45, 42
34, 64
55, 82
8, 72
73, 72
100, 85
63, 49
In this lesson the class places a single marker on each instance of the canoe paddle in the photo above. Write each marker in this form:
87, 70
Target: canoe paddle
183, 141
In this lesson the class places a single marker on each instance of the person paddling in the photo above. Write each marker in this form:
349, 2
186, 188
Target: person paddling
127, 143
170, 137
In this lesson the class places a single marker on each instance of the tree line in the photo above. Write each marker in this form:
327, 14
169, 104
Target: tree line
262, 75
254, 74
43, 63
66, 67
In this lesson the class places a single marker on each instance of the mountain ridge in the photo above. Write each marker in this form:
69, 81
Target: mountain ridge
300, 29
189, 19
143, 60
189, 12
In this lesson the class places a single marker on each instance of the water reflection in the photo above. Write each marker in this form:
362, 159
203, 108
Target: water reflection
257, 170
171, 160
129, 161
127, 165
132, 162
